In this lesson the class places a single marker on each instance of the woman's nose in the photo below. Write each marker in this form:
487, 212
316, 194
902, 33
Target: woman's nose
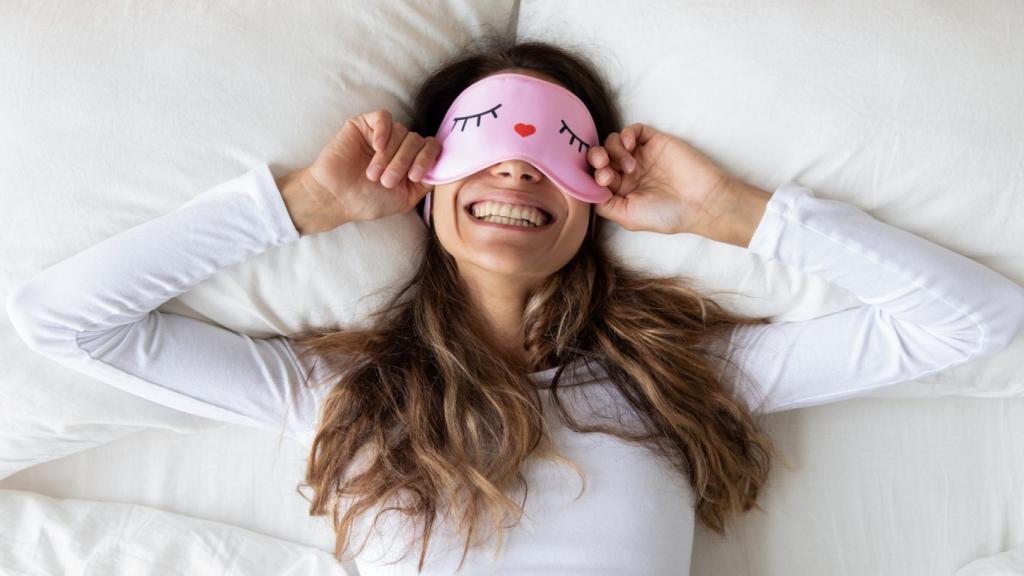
518, 170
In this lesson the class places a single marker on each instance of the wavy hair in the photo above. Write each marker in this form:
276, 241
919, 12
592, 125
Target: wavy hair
445, 420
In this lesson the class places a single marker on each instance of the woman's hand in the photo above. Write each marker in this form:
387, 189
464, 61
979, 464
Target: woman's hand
342, 186
660, 183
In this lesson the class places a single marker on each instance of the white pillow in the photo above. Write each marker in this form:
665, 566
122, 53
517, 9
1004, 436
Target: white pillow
111, 116
911, 112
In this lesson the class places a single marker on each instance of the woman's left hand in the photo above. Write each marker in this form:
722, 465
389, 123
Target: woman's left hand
660, 183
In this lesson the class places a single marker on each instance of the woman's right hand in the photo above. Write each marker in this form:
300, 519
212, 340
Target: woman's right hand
344, 187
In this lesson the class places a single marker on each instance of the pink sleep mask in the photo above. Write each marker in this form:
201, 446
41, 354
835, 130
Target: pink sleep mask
514, 116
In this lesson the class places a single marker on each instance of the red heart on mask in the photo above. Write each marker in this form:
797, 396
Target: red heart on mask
525, 130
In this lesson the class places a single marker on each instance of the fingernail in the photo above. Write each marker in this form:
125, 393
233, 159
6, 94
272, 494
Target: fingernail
415, 173
630, 165
388, 179
374, 171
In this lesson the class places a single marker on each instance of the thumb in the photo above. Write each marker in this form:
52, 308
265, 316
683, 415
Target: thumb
418, 190
612, 209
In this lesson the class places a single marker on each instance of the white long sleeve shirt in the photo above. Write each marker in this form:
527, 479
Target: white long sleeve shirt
923, 309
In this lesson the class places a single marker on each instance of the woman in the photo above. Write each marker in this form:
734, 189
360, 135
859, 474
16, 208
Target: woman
513, 351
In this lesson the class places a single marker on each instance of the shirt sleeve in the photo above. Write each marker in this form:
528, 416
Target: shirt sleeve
95, 312
923, 308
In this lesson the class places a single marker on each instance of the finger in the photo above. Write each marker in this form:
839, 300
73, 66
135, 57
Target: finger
620, 157
612, 209
630, 135
644, 133
609, 177
381, 122
381, 159
425, 159
403, 159
597, 156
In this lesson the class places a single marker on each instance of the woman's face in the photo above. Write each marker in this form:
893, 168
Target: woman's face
506, 249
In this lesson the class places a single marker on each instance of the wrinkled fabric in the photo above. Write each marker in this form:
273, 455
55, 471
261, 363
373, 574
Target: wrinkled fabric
923, 309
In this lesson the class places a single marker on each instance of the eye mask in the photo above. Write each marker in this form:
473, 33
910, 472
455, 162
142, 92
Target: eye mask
514, 116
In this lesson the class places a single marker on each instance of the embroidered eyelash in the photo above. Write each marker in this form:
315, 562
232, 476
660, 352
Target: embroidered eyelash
477, 116
465, 121
573, 137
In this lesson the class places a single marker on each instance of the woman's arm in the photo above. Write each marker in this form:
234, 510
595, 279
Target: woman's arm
95, 312
307, 203
737, 213
923, 308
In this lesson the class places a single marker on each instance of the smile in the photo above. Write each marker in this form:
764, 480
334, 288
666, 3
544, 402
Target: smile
500, 222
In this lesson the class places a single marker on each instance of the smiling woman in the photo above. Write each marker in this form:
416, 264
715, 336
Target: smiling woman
512, 351
525, 196
463, 366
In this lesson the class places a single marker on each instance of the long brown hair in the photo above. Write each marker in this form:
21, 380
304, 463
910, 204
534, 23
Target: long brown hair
446, 420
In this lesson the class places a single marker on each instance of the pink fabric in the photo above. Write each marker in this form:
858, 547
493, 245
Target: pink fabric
515, 116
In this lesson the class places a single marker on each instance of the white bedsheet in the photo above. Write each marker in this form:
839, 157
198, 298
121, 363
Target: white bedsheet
885, 487
43, 535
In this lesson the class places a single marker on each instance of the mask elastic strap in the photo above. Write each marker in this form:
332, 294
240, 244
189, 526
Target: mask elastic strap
426, 210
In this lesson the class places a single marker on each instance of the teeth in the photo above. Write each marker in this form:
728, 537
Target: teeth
493, 208
514, 222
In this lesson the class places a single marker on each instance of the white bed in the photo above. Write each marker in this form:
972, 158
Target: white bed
111, 115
